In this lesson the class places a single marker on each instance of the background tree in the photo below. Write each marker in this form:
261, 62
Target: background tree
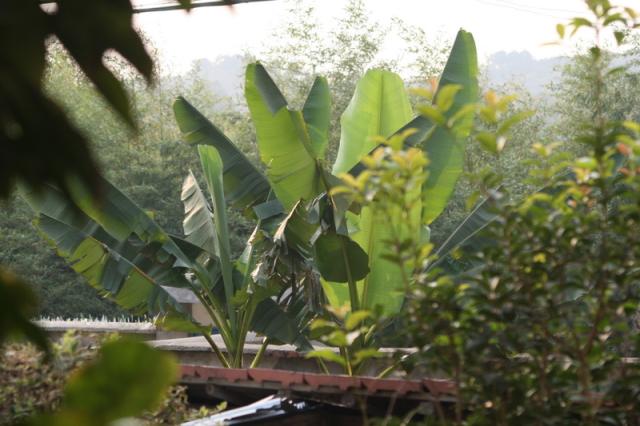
574, 95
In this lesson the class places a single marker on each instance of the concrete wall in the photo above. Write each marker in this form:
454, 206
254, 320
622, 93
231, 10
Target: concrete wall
139, 330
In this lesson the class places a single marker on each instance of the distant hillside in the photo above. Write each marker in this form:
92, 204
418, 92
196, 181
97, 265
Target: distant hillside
521, 67
225, 73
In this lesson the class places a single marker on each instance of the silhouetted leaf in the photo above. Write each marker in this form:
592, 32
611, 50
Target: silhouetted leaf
244, 185
17, 305
88, 30
126, 379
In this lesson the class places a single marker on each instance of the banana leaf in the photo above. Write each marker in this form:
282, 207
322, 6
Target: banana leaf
283, 326
108, 272
212, 168
445, 149
244, 185
340, 259
290, 142
317, 115
295, 231
379, 106
197, 223
480, 216
153, 257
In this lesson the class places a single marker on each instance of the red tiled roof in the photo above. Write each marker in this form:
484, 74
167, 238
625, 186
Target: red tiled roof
312, 383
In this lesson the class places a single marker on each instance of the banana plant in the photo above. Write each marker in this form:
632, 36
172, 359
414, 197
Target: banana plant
126, 256
347, 246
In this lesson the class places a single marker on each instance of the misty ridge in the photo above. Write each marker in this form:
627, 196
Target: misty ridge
224, 75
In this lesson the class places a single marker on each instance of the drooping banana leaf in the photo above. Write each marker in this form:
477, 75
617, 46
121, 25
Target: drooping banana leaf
52, 201
379, 107
468, 234
151, 257
295, 231
245, 186
271, 320
117, 214
197, 223
290, 142
121, 218
159, 257
107, 271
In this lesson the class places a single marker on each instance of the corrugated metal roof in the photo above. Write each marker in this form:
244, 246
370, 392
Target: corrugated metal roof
269, 408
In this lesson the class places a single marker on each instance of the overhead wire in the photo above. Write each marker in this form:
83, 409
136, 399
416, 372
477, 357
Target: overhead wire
537, 7
527, 9
174, 5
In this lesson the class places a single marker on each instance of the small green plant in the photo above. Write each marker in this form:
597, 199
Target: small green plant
390, 186
31, 386
352, 332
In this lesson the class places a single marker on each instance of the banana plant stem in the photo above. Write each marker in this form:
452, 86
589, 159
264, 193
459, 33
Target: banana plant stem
216, 350
250, 310
353, 289
323, 366
385, 373
217, 320
258, 358
345, 354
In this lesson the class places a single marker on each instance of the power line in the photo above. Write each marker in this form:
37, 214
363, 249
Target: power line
536, 7
173, 5
520, 8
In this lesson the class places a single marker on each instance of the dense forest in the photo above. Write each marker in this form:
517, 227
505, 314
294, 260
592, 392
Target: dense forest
151, 164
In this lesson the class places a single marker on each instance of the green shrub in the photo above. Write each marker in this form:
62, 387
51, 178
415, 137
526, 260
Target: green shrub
542, 330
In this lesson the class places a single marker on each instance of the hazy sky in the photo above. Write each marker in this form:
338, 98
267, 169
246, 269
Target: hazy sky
496, 24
